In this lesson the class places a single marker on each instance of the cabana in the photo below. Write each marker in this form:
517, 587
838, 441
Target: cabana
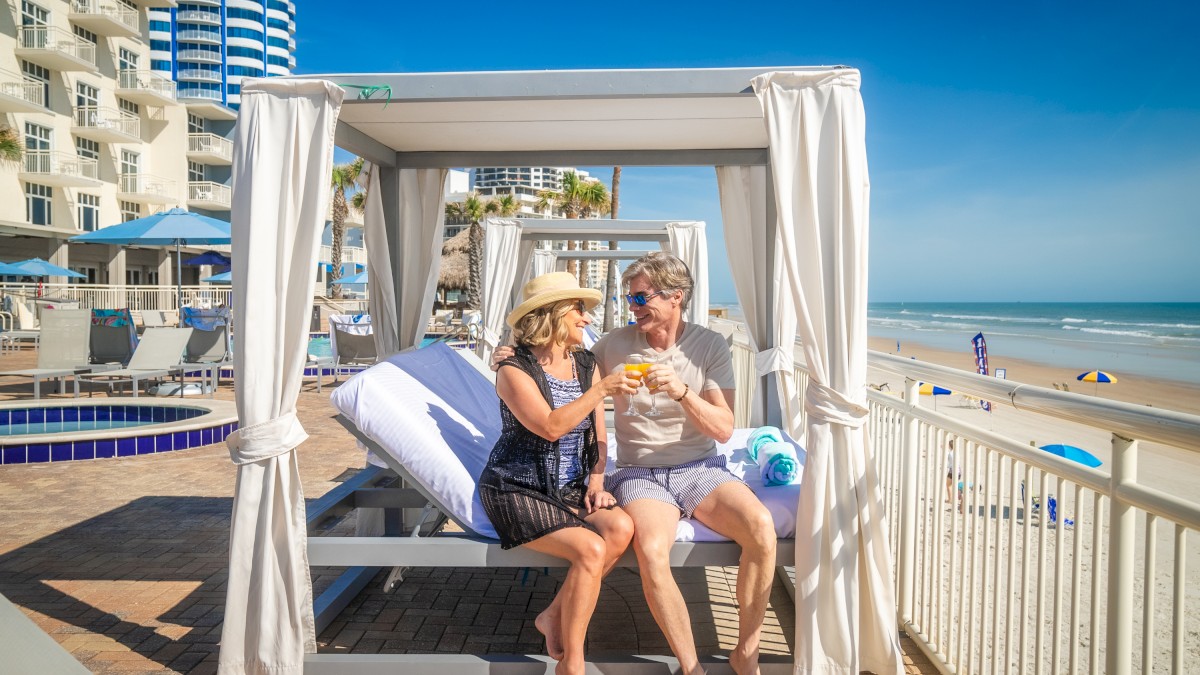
789, 149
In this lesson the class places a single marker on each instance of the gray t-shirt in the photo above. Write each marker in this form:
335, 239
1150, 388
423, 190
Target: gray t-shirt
701, 359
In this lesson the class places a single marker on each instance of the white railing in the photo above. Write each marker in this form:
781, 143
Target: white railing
138, 298
1016, 560
135, 184
213, 37
31, 92
208, 191
195, 92
57, 40
200, 74
211, 144
114, 11
98, 117
350, 254
199, 55
147, 80
54, 163
198, 15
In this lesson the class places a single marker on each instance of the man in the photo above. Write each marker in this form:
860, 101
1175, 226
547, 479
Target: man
668, 465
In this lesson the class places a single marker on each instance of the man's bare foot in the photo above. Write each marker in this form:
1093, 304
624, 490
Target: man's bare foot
743, 661
547, 625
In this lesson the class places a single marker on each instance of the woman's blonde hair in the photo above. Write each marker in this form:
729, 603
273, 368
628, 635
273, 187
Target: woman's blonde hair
666, 273
545, 325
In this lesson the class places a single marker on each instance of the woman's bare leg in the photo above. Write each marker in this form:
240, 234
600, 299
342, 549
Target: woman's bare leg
577, 596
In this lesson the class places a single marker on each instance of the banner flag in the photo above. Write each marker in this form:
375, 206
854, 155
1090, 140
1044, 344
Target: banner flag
981, 363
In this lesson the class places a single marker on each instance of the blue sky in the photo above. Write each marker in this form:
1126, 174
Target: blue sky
1018, 151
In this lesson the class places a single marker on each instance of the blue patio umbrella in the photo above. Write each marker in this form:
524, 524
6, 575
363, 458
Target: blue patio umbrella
176, 227
208, 258
36, 267
359, 278
1073, 453
8, 269
223, 278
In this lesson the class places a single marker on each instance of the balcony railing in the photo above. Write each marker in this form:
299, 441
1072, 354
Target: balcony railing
19, 95
1016, 560
210, 148
62, 169
106, 124
209, 195
199, 16
200, 74
194, 92
210, 37
136, 298
146, 189
145, 86
105, 18
56, 48
201, 55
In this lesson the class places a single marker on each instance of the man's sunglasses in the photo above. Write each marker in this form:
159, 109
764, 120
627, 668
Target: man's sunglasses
640, 299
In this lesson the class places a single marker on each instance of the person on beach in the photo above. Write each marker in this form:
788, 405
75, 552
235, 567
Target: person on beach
543, 485
950, 473
668, 464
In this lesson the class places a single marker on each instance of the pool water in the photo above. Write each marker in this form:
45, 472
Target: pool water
66, 426
320, 346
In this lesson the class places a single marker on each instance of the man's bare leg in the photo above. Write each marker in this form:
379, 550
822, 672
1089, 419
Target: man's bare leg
654, 525
733, 511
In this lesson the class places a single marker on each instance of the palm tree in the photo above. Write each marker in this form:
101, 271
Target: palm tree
11, 148
593, 200
342, 179
610, 284
474, 209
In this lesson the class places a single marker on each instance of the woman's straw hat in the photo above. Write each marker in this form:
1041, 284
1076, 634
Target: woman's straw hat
551, 288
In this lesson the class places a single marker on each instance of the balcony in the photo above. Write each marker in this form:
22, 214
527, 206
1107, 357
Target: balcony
206, 103
146, 189
60, 169
210, 149
56, 49
145, 86
198, 16
205, 36
106, 18
201, 75
209, 195
106, 125
157, 4
19, 96
199, 55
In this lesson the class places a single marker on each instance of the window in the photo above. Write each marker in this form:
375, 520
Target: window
37, 137
151, 277
277, 23
248, 33
31, 72
129, 172
278, 60
130, 211
92, 274
278, 42
86, 35
164, 66
33, 15
204, 28
37, 203
244, 71
160, 45
195, 124
128, 107
244, 52
195, 172
127, 60
87, 209
86, 96
161, 26
133, 277
87, 148
248, 14
276, 4
234, 90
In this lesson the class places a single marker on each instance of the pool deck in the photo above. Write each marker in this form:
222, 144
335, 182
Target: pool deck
122, 562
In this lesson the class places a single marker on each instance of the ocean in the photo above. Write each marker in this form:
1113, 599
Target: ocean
1147, 339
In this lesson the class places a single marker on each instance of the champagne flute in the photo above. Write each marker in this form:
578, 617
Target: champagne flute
653, 411
635, 368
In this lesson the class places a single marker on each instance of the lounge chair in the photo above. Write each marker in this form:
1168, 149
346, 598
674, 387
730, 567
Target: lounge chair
113, 337
207, 351
63, 351
351, 342
157, 355
432, 416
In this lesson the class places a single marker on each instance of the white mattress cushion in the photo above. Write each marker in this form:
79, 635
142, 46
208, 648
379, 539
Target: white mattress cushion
438, 415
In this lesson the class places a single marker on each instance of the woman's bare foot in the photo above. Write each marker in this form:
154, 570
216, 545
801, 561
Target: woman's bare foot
547, 625
743, 661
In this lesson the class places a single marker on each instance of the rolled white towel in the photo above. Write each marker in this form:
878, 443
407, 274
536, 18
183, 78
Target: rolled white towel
760, 437
778, 463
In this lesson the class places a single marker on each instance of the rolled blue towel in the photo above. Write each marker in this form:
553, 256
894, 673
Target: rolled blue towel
778, 464
759, 437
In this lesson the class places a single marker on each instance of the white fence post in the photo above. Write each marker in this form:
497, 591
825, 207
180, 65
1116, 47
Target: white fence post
1119, 641
909, 456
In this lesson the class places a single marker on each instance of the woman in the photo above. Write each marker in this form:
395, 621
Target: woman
543, 486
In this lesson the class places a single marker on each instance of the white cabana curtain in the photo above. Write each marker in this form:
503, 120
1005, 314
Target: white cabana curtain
381, 298
544, 262
743, 191
422, 220
845, 609
686, 241
501, 253
283, 155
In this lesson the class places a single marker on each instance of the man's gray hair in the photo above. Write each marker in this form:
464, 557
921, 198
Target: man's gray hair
666, 273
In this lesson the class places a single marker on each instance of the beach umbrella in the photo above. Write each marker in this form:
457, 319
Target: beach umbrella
352, 279
927, 389
1098, 377
176, 227
10, 270
223, 278
36, 267
1073, 453
208, 258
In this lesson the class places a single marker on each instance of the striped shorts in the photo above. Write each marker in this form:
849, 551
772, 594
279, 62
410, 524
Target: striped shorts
683, 486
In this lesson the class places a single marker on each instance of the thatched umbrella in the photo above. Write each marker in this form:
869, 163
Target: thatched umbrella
459, 242
453, 274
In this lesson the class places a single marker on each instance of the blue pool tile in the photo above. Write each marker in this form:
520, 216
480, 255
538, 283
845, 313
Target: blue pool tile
13, 454
70, 415
159, 415
52, 414
38, 453
194, 439
83, 450
104, 450
35, 416
179, 440
145, 445
18, 417
162, 443
129, 446
60, 452
207, 436
4, 416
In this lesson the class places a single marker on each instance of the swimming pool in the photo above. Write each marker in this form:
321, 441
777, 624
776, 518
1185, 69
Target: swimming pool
32, 432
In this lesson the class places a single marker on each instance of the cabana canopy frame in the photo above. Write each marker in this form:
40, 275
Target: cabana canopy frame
789, 145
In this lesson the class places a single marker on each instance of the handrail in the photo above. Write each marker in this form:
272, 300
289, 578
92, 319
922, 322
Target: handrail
1151, 424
